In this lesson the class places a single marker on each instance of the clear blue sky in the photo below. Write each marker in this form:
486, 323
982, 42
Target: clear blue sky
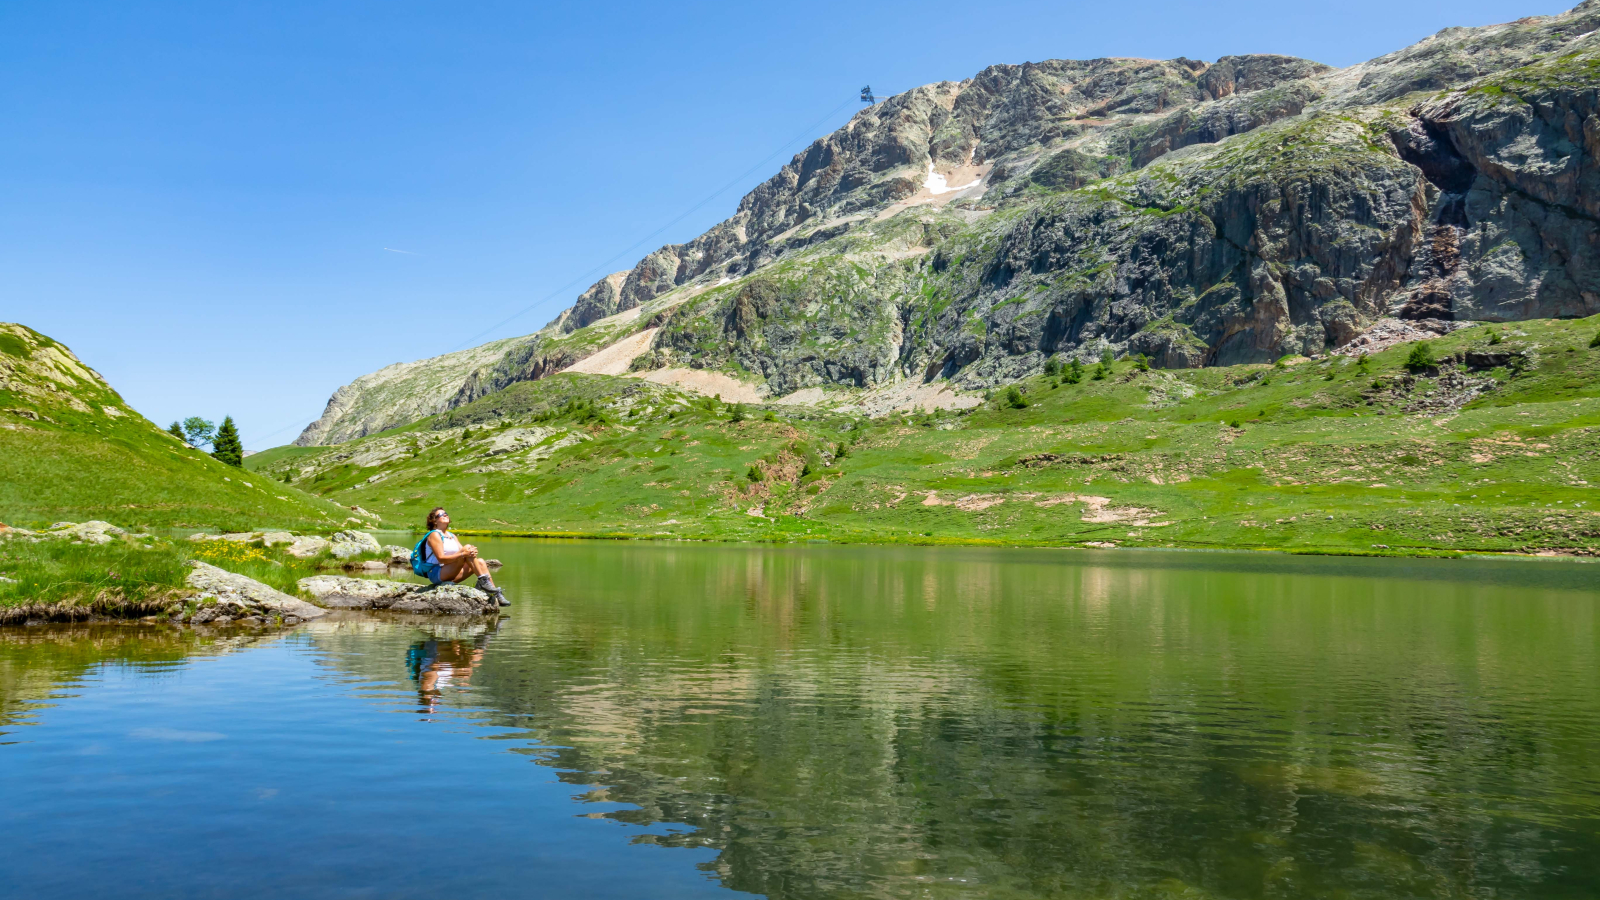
197, 197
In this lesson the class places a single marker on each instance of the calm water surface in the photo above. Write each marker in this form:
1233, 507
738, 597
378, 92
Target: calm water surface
673, 721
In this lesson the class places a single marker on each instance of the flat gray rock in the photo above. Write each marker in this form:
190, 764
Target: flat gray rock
341, 592
247, 593
93, 532
346, 544
307, 547
274, 538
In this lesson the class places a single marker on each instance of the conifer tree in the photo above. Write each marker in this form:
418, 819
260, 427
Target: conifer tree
225, 446
176, 430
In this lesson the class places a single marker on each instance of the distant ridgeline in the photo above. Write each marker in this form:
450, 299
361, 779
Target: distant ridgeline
962, 233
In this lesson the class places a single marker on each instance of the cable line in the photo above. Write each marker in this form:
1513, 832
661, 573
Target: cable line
589, 275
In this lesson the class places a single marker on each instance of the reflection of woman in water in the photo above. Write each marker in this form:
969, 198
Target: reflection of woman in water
436, 665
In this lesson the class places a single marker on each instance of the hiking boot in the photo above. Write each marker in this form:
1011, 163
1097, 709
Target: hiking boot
487, 585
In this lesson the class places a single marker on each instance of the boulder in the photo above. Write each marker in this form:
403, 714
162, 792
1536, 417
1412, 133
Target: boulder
373, 565
346, 544
399, 556
274, 538
236, 596
1478, 360
92, 532
307, 547
340, 592
493, 563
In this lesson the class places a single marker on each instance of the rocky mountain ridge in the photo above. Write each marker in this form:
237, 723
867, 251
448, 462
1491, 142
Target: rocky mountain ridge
1201, 214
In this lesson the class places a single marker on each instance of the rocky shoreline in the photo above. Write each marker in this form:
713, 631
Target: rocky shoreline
213, 596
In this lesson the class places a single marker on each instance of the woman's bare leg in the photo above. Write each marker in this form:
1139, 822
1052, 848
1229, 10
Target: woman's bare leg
456, 570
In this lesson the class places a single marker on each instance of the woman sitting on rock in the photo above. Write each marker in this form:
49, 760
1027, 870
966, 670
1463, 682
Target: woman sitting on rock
448, 560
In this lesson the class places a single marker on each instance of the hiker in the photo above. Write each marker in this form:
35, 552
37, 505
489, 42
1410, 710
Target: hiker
446, 559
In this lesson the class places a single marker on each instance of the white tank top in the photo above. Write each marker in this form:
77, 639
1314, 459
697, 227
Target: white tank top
447, 541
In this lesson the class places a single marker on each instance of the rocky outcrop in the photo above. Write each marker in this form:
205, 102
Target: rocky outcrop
339, 592
1197, 213
604, 298
225, 597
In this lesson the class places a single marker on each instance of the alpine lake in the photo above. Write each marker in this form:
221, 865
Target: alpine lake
676, 720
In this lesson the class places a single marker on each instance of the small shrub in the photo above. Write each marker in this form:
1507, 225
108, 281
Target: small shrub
1595, 341
1421, 358
1362, 364
1052, 367
1073, 373
1141, 362
737, 413
754, 474
1014, 398
1495, 338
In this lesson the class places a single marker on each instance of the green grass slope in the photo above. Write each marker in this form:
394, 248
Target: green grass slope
71, 449
1327, 455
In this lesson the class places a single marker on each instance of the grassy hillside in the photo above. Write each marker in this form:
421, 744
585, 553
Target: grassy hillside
71, 449
1334, 454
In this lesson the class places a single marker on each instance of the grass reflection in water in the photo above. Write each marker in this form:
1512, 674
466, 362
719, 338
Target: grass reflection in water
835, 722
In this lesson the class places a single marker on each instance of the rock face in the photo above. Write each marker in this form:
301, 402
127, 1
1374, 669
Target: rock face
1198, 213
359, 593
225, 597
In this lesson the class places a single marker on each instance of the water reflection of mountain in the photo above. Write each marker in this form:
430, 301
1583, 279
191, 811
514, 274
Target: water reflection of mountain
908, 724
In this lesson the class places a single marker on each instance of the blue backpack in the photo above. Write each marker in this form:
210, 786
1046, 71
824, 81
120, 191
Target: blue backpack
419, 567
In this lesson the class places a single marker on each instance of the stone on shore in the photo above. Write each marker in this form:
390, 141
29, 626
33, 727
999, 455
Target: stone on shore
399, 556
274, 538
340, 592
236, 596
346, 544
93, 532
307, 547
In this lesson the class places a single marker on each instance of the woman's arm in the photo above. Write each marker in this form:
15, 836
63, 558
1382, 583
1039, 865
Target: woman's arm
436, 544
